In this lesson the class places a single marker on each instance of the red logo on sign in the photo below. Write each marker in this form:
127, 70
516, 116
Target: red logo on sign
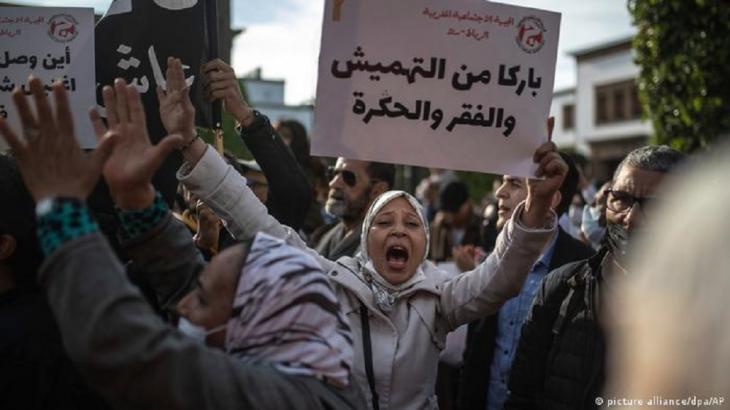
530, 34
63, 28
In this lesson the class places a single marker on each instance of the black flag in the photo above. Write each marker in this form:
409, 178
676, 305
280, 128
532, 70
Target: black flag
133, 41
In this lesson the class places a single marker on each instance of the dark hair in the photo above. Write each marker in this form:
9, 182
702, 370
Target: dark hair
382, 172
453, 196
569, 186
658, 158
17, 219
299, 144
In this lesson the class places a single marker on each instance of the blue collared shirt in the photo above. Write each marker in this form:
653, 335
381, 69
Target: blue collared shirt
509, 326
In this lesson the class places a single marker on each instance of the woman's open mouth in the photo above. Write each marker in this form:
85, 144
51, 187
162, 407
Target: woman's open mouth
396, 257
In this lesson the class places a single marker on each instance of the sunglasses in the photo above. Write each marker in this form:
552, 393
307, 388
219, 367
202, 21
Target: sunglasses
348, 177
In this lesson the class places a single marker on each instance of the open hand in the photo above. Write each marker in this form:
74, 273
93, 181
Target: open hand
221, 84
176, 110
50, 159
135, 160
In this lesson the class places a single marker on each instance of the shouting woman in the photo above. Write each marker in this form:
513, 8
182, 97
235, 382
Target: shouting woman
399, 305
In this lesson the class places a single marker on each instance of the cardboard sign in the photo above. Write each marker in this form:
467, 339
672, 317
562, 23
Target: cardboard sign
52, 44
463, 85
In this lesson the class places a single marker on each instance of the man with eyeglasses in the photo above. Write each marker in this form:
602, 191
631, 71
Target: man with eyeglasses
560, 360
353, 186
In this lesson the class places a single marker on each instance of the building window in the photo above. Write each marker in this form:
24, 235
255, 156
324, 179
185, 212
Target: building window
617, 102
601, 107
568, 117
635, 104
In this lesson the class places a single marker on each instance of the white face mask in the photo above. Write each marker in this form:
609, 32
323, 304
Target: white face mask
591, 226
195, 332
575, 213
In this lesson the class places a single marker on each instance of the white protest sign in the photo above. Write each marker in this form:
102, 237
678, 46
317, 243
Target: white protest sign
52, 44
463, 85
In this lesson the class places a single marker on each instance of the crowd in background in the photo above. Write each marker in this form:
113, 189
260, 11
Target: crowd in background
290, 281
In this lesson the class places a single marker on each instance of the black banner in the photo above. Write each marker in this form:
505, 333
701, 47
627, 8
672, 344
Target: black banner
133, 41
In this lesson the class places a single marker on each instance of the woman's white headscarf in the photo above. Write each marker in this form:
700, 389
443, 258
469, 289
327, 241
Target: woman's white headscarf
384, 292
285, 312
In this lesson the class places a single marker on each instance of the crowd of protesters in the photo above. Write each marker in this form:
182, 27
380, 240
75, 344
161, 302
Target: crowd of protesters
280, 283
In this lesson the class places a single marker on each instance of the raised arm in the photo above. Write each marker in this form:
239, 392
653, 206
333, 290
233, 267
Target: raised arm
108, 329
215, 182
481, 292
130, 356
224, 190
289, 192
158, 244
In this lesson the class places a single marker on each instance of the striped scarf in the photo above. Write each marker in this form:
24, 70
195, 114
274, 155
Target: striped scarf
285, 312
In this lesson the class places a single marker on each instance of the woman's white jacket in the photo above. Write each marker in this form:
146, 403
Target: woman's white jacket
407, 341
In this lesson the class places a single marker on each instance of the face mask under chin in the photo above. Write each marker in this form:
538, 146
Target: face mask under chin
195, 332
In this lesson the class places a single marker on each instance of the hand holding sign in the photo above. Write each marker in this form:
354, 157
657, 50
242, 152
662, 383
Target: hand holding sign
50, 159
221, 84
135, 160
552, 169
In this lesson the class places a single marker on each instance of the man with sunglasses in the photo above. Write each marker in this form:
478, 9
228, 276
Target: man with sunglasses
560, 360
353, 186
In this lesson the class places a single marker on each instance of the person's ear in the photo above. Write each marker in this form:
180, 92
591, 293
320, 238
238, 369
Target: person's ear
8, 244
557, 197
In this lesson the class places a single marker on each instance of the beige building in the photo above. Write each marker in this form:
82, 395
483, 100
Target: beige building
601, 116
267, 96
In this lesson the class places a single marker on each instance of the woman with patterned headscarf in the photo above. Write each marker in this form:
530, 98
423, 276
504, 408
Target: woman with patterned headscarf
261, 328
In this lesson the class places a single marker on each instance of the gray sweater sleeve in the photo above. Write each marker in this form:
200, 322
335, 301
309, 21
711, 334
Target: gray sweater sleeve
133, 358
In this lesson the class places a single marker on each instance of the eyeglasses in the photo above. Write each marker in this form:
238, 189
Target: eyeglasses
622, 202
348, 177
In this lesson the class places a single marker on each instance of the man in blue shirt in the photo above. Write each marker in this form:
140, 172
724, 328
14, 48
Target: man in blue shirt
492, 341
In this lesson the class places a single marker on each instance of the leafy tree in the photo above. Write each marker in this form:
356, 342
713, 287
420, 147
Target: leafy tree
683, 49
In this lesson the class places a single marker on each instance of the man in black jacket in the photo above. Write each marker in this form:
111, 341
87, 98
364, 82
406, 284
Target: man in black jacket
560, 361
491, 342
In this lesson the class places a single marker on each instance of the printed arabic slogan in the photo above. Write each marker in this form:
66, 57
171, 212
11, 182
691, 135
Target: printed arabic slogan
463, 85
134, 40
52, 44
